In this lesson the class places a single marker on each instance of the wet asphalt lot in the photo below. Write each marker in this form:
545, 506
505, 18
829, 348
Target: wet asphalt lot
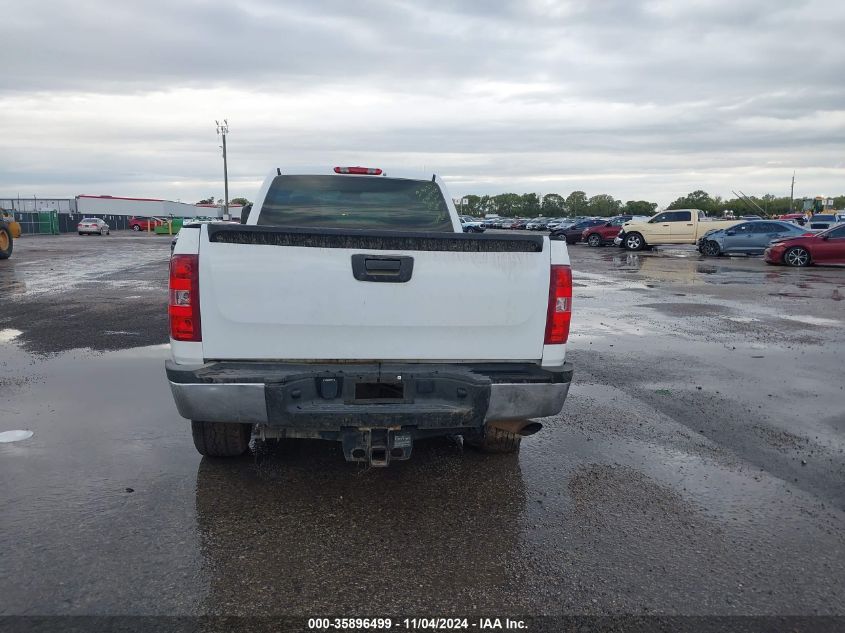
697, 467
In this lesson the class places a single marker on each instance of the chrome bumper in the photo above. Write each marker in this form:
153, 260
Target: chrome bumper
232, 402
247, 402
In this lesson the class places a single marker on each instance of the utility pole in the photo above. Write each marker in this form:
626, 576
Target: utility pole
223, 130
792, 192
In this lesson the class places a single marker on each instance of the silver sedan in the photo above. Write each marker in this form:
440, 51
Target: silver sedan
87, 226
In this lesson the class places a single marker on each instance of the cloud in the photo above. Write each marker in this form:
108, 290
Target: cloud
637, 99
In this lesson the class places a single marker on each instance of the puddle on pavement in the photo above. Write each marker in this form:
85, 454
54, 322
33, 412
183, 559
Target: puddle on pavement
18, 279
688, 309
9, 334
7, 437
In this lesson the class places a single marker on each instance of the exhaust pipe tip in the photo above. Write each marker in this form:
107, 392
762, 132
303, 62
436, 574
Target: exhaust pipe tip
530, 429
518, 427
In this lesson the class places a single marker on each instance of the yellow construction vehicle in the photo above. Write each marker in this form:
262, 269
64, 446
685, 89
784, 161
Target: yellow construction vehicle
817, 205
10, 230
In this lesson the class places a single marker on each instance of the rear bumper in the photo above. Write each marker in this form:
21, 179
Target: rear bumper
334, 397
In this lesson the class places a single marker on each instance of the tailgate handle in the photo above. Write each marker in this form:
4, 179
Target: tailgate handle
381, 268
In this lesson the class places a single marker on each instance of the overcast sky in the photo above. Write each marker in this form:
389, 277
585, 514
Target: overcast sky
642, 100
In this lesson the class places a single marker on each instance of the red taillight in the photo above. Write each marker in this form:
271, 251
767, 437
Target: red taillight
367, 171
184, 306
560, 306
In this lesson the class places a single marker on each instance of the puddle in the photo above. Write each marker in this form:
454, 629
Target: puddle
9, 335
7, 437
812, 320
688, 309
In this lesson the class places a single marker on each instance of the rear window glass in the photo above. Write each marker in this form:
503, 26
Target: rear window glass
355, 202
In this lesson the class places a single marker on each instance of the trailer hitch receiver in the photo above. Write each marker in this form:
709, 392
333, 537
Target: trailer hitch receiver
377, 447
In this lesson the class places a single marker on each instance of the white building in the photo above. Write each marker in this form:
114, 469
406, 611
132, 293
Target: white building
148, 207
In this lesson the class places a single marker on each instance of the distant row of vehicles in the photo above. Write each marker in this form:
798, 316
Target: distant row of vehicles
821, 240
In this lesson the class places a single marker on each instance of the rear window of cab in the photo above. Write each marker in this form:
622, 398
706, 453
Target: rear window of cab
355, 202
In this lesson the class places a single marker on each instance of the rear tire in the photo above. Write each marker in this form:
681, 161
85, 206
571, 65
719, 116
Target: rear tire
221, 439
136, 227
6, 244
494, 440
594, 240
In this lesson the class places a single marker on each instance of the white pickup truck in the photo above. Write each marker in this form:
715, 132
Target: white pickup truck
351, 307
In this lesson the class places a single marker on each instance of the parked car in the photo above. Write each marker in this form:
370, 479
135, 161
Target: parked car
519, 223
573, 232
822, 222
679, 226
827, 247
798, 218
602, 234
87, 226
144, 224
471, 225
748, 238
537, 224
555, 223
10, 230
482, 367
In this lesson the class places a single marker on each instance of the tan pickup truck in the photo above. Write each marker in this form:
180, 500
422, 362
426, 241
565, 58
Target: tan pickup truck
678, 226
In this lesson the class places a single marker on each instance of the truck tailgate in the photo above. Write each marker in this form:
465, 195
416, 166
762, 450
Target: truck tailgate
293, 294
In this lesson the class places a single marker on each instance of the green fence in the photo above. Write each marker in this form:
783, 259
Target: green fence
48, 222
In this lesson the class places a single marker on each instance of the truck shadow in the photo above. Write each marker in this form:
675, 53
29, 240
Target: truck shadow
299, 530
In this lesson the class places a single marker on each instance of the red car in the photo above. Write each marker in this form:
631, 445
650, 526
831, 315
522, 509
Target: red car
798, 218
604, 233
144, 224
827, 247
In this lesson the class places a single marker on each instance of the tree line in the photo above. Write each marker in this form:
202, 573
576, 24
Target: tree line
604, 205
767, 204
236, 201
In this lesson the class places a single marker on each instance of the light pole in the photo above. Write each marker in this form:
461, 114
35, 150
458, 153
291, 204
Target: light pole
792, 192
223, 130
